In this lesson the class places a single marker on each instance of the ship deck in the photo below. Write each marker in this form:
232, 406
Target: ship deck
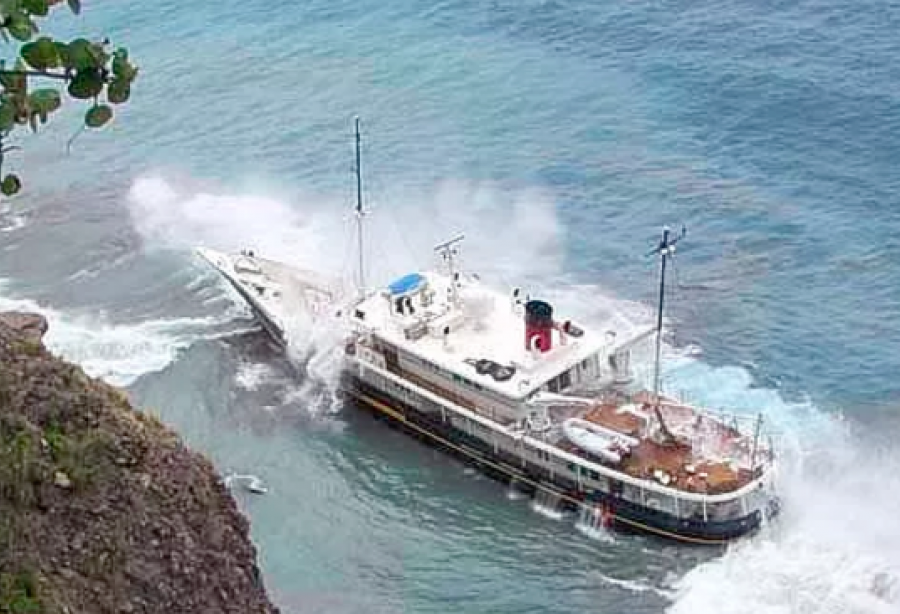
709, 456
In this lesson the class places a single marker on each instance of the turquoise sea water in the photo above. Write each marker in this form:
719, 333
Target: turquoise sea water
559, 136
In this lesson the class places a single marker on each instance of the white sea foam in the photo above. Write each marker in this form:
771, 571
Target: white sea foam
251, 375
11, 218
595, 532
11, 223
547, 509
117, 353
633, 586
835, 547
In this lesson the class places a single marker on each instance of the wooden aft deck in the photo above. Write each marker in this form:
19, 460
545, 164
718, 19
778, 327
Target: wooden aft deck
677, 465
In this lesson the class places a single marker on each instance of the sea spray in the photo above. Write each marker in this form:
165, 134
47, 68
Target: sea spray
835, 546
511, 235
835, 549
315, 232
172, 216
119, 353
315, 347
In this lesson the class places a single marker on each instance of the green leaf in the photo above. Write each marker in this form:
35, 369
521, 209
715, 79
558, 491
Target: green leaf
14, 81
45, 100
20, 26
86, 84
62, 51
118, 91
8, 80
36, 7
7, 116
41, 54
121, 67
10, 185
98, 115
75, 5
82, 54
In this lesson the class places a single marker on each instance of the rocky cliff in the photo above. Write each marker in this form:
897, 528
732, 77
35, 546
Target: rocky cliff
103, 508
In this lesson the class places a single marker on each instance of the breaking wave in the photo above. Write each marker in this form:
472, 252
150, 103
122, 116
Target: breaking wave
116, 353
836, 546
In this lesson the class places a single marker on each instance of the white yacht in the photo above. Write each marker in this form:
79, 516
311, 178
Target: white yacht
528, 395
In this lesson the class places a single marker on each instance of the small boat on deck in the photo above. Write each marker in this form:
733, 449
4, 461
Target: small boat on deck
499, 379
598, 440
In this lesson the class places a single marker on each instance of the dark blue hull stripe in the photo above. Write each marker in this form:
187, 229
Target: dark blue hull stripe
617, 512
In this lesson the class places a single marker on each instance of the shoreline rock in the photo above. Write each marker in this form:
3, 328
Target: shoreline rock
31, 326
102, 507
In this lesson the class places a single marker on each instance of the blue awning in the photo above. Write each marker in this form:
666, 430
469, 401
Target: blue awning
406, 284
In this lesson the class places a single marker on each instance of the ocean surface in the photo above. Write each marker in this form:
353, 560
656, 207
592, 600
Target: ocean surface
559, 136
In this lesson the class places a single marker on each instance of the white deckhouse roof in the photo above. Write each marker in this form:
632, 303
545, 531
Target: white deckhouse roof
454, 328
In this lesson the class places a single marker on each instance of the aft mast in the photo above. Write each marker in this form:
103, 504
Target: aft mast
360, 213
665, 249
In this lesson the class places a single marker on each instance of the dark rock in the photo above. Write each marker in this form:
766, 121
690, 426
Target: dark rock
116, 513
30, 326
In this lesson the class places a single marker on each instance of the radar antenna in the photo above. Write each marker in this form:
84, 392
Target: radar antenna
448, 251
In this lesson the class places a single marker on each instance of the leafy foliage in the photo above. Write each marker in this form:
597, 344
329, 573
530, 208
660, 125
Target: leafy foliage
19, 593
92, 71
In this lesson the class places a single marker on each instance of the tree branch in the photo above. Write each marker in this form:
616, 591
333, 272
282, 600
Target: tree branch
37, 73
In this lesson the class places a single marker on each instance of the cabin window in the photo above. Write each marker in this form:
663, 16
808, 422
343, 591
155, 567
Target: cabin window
560, 382
594, 475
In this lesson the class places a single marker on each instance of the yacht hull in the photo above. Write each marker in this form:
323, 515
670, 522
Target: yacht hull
613, 513
259, 313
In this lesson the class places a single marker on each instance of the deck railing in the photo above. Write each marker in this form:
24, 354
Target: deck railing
589, 476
